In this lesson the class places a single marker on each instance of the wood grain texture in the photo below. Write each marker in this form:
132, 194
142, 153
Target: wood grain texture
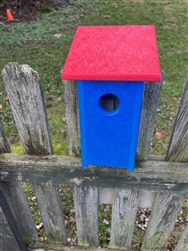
183, 242
23, 87
10, 235
20, 209
86, 209
72, 117
4, 146
54, 223
149, 111
178, 147
163, 217
7, 239
17, 201
167, 206
124, 212
24, 90
148, 175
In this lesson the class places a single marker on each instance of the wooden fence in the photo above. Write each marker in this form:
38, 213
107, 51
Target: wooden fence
166, 177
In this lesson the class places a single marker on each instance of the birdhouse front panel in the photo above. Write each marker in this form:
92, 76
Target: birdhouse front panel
109, 116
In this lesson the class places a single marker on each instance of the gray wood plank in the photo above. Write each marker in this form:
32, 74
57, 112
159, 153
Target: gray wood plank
25, 94
72, 117
163, 217
125, 208
149, 175
7, 239
178, 147
17, 201
167, 206
4, 146
149, 111
183, 242
20, 209
86, 209
23, 87
10, 233
54, 223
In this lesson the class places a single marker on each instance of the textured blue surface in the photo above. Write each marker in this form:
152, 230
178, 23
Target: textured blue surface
109, 138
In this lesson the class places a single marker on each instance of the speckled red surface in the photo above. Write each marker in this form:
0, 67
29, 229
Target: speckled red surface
113, 53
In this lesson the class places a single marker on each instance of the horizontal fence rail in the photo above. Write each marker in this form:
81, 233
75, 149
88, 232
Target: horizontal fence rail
160, 176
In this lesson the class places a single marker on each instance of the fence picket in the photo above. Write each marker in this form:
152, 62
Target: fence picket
17, 200
10, 237
167, 206
163, 217
7, 239
150, 102
183, 242
123, 217
149, 110
72, 117
4, 146
178, 147
27, 102
86, 208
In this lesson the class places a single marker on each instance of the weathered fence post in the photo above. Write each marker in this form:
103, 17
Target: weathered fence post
17, 200
178, 148
125, 208
72, 117
150, 103
86, 208
10, 237
4, 146
25, 94
167, 206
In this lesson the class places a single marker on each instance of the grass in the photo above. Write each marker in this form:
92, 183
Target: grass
44, 45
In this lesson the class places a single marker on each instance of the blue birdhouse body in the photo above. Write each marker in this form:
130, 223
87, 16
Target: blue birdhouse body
109, 122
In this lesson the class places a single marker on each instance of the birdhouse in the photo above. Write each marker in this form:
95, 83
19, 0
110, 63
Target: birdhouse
111, 64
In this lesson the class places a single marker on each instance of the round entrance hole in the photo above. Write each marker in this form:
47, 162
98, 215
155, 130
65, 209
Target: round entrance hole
109, 102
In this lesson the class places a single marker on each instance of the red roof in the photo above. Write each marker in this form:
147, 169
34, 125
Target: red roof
123, 53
